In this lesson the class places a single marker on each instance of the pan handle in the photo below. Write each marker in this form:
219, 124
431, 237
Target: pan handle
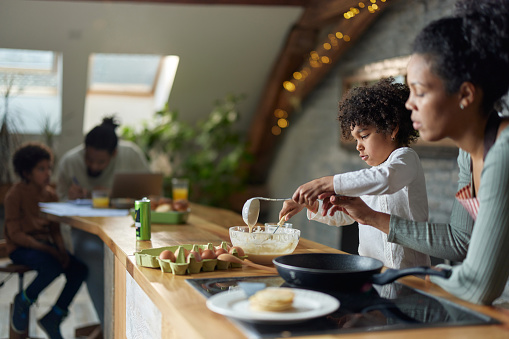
391, 275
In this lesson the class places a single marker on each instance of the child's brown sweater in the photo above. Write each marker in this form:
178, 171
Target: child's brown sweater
21, 214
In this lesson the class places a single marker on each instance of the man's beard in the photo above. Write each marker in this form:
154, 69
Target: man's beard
93, 174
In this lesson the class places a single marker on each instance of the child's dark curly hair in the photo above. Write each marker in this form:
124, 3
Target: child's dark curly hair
381, 105
28, 155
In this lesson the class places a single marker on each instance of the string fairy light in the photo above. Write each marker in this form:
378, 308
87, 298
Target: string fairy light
318, 58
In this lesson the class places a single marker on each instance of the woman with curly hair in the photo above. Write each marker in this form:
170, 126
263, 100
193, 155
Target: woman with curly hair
376, 118
458, 76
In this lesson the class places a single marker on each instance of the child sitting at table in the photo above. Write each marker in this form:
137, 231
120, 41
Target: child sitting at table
36, 242
377, 119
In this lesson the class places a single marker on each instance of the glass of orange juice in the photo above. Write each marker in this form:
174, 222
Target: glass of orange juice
100, 198
180, 188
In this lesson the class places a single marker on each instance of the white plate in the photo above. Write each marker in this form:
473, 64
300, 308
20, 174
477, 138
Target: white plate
306, 305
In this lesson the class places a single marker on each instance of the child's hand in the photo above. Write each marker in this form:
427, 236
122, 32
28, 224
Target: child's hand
41, 224
53, 251
64, 259
309, 192
61, 256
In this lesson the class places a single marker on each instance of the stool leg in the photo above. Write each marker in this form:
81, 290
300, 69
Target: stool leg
13, 334
21, 286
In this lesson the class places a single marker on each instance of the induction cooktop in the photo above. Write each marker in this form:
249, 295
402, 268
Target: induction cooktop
389, 307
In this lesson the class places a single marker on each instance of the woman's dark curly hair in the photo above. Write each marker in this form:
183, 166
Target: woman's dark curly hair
473, 46
381, 105
103, 136
28, 155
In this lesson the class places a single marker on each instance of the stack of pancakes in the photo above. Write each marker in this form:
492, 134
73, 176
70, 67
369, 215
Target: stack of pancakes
272, 299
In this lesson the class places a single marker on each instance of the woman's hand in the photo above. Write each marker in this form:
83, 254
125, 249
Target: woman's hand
356, 208
428, 277
291, 208
308, 193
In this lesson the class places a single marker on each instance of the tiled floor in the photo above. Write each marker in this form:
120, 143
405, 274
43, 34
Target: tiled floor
81, 312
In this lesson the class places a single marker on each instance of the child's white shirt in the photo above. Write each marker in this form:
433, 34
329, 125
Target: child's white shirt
397, 187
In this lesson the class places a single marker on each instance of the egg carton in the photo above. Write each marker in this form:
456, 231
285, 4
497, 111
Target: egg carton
183, 265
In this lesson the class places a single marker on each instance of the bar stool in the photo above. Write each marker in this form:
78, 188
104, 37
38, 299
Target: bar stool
11, 268
89, 332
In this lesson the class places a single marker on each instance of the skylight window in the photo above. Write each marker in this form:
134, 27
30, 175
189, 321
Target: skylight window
27, 60
126, 73
29, 92
130, 86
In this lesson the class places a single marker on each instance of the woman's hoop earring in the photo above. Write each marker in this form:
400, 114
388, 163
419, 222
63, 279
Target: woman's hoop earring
462, 107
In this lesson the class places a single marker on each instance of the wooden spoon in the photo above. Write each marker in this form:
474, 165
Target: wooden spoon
232, 258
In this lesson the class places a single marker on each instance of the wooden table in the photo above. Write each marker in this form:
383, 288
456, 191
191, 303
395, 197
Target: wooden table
163, 305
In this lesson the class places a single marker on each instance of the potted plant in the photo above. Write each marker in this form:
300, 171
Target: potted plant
211, 154
9, 138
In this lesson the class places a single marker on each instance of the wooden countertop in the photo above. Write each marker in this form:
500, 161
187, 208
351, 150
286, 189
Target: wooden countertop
184, 308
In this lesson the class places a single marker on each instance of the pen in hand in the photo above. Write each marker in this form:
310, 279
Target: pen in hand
76, 191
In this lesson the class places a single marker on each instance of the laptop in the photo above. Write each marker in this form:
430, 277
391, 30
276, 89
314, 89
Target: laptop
136, 185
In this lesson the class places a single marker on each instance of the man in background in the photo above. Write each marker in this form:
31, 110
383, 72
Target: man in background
90, 166
93, 164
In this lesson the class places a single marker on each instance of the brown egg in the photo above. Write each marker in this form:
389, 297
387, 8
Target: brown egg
186, 252
240, 251
220, 251
197, 256
208, 254
166, 254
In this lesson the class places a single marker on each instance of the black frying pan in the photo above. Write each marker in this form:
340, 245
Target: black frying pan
333, 271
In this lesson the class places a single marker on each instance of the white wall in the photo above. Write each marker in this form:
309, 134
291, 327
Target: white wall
127, 109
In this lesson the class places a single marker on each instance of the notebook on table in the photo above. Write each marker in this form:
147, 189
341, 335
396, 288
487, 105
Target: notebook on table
136, 185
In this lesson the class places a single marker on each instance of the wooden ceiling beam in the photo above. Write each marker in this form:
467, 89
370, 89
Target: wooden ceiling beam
354, 28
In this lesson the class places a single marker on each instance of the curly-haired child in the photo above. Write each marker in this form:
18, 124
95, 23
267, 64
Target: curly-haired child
376, 118
37, 242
